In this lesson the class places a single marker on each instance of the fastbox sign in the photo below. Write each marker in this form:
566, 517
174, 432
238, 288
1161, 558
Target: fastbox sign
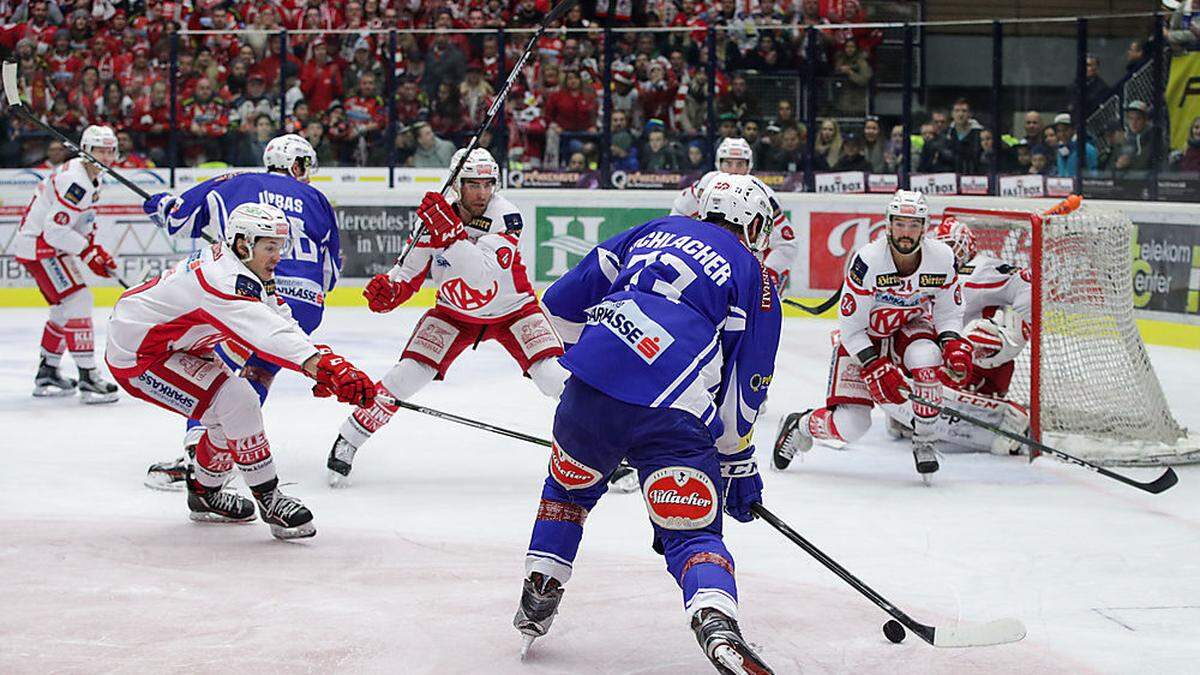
565, 234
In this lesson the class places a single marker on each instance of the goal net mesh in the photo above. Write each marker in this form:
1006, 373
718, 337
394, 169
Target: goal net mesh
1096, 394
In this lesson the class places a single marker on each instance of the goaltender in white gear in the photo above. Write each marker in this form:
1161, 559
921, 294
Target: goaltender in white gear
735, 156
471, 250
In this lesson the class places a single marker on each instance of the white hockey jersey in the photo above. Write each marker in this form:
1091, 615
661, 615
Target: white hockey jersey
480, 279
878, 301
209, 297
990, 282
61, 215
782, 248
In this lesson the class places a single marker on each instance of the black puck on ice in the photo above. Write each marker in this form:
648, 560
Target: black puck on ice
894, 631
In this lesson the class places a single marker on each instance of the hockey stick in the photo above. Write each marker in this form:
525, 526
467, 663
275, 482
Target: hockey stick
1164, 482
962, 635
819, 309
996, 632
556, 13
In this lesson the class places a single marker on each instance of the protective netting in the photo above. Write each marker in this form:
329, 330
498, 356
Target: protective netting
1097, 395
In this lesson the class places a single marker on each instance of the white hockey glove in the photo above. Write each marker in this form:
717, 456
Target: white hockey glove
997, 340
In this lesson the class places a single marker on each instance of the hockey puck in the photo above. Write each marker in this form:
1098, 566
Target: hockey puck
894, 631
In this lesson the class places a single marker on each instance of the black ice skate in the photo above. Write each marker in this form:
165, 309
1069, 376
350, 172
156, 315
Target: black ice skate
341, 457
214, 505
540, 596
722, 643
48, 383
926, 459
95, 389
790, 439
624, 479
287, 516
171, 474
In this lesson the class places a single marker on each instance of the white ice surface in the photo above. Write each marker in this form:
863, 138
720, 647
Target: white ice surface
417, 567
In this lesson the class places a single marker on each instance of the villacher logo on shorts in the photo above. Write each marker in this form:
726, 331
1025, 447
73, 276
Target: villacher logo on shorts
569, 472
680, 498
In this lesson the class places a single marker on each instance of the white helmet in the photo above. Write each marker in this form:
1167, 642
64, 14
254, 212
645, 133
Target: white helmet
735, 148
909, 203
739, 199
254, 221
478, 165
96, 136
283, 151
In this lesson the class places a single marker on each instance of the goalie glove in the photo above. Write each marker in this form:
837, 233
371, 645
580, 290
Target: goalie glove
885, 382
741, 486
998, 339
338, 377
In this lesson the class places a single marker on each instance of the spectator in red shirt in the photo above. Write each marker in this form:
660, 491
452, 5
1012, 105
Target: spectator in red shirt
137, 77
572, 108
411, 102
268, 66
657, 93
152, 121
62, 62
56, 153
63, 116
448, 116
206, 121
366, 115
127, 156
114, 107
321, 77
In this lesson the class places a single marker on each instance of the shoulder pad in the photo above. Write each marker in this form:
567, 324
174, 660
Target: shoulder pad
248, 287
858, 270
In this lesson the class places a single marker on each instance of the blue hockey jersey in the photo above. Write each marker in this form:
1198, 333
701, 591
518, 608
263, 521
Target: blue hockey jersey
673, 313
311, 267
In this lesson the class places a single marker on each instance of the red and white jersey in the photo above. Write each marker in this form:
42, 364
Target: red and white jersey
480, 279
61, 215
209, 297
878, 301
782, 247
990, 282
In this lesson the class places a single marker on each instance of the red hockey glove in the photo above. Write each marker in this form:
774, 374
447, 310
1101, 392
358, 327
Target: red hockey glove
338, 377
383, 294
957, 355
885, 381
98, 260
444, 225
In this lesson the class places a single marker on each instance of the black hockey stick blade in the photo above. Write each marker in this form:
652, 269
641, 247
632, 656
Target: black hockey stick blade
1000, 631
819, 309
1164, 482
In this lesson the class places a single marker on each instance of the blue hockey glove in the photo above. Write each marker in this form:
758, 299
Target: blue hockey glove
740, 484
158, 206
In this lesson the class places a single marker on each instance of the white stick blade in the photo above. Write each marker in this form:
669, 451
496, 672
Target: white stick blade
9, 73
998, 632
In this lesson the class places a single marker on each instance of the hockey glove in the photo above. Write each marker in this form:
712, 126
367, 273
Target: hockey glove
957, 355
98, 260
338, 377
383, 294
159, 206
741, 486
444, 225
885, 381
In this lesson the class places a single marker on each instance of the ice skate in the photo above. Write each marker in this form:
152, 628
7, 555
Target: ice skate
540, 596
926, 459
341, 455
170, 475
287, 516
49, 383
790, 439
723, 644
214, 505
624, 479
95, 389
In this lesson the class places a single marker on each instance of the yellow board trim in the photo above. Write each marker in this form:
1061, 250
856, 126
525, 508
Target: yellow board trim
1153, 331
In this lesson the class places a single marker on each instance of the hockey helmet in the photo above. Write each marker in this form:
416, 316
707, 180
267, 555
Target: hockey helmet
735, 148
98, 137
739, 199
254, 221
959, 237
478, 165
282, 152
908, 204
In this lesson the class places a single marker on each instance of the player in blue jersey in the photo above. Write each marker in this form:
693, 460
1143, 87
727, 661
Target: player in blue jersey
675, 324
302, 279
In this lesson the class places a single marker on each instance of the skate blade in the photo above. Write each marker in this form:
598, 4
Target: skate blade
205, 517
526, 643
927, 479
90, 398
337, 480
52, 392
299, 532
159, 484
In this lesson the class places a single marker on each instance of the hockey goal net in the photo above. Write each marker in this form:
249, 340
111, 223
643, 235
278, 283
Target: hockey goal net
1085, 374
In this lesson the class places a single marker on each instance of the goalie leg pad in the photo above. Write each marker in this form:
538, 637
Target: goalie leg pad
999, 412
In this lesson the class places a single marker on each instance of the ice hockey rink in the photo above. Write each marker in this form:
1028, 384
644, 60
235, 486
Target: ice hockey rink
417, 567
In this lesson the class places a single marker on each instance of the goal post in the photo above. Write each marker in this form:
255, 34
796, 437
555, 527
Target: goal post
1085, 374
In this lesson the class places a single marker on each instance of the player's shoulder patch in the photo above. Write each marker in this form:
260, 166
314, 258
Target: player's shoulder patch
858, 270
75, 193
247, 287
513, 221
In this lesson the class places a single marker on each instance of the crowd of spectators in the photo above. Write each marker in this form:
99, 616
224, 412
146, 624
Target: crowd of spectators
107, 61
